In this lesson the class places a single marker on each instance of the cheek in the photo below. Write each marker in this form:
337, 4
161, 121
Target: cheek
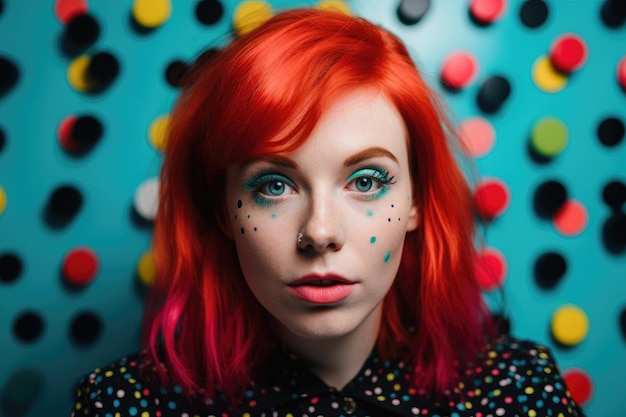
385, 230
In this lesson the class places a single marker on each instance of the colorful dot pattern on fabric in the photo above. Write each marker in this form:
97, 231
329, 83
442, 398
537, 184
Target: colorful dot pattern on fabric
510, 377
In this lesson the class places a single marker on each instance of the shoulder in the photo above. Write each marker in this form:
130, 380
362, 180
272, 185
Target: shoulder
129, 385
521, 374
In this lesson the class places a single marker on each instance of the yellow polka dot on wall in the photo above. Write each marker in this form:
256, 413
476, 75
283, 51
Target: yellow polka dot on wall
151, 13
546, 77
146, 268
251, 14
158, 132
337, 5
570, 325
77, 76
3, 200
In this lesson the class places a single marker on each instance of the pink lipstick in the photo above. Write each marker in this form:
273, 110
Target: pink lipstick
322, 289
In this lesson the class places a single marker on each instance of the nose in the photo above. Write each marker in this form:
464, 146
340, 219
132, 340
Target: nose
322, 230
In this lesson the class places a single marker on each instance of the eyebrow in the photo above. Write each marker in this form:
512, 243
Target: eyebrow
276, 160
367, 154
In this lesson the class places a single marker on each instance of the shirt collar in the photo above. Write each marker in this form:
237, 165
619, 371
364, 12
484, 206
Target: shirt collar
385, 384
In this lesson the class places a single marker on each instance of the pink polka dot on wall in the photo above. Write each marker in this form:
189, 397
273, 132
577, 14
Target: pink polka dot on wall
568, 53
571, 219
478, 136
621, 73
491, 198
579, 384
491, 269
459, 70
66, 10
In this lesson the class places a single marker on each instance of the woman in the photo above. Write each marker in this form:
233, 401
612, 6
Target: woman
315, 246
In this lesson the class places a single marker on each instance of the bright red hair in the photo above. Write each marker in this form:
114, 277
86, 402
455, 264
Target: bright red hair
264, 93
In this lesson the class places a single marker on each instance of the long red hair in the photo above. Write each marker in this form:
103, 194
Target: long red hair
264, 93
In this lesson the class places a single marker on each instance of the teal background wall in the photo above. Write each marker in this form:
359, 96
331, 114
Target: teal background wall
40, 364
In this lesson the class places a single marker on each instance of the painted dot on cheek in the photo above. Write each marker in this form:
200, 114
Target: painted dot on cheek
373, 239
273, 216
389, 219
242, 231
255, 229
370, 213
248, 216
387, 256
239, 203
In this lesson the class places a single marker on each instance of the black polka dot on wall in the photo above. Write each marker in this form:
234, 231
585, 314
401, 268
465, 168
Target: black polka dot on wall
175, 72
103, 68
611, 131
80, 33
9, 75
493, 93
549, 198
11, 267
533, 13
614, 194
85, 328
28, 327
549, 269
622, 323
87, 131
410, 12
614, 233
209, 12
613, 13
63, 204
3, 139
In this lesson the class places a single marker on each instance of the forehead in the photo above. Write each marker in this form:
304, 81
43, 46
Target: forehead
359, 119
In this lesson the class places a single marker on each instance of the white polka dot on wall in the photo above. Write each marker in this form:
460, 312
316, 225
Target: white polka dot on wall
146, 201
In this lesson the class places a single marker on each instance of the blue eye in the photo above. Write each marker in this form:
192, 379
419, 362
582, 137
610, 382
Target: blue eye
371, 182
267, 186
274, 187
364, 184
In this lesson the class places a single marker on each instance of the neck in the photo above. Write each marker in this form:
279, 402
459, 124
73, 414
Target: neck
337, 360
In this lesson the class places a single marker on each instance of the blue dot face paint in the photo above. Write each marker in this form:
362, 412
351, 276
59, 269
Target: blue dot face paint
370, 213
387, 257
373, 239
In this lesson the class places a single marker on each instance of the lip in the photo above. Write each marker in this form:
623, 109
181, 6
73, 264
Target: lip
308, 289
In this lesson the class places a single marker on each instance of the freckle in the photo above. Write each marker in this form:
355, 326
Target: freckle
239, 204
370, 213
242, 231
387, 256
373, 239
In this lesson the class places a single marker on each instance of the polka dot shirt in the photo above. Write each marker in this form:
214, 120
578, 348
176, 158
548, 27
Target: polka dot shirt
513, 378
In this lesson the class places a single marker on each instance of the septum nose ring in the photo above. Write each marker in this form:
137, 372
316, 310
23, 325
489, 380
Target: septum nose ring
300, 236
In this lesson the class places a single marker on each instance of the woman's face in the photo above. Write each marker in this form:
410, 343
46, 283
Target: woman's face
348, 190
